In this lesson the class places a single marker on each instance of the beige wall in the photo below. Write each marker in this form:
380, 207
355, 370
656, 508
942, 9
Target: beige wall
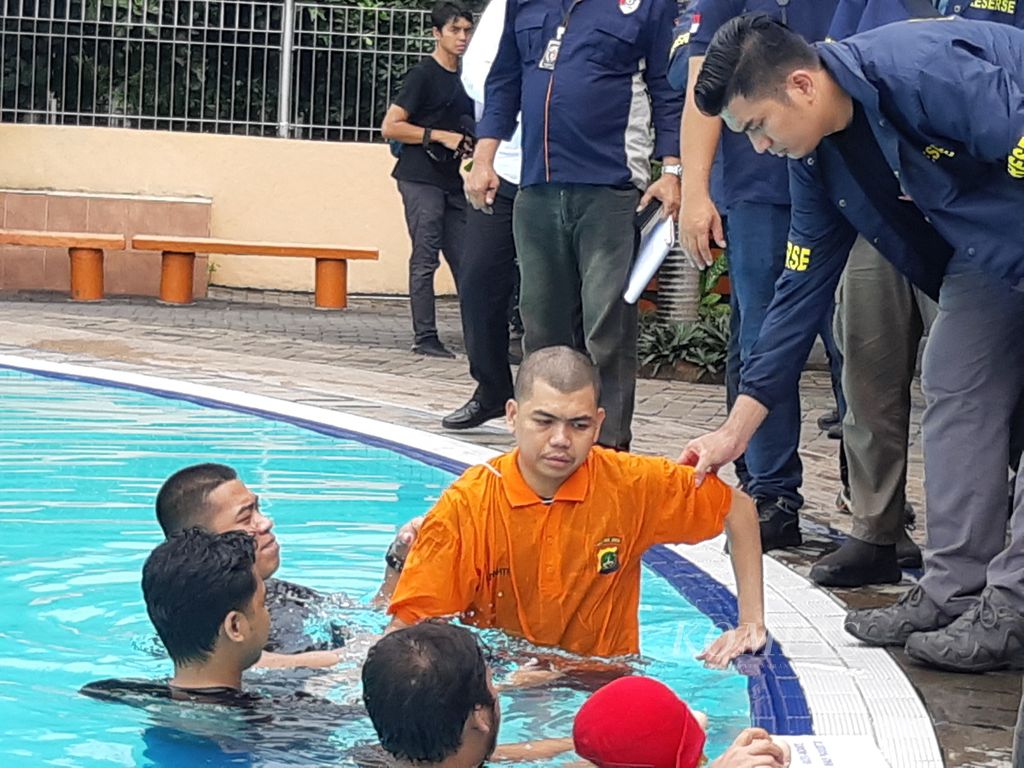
262, 189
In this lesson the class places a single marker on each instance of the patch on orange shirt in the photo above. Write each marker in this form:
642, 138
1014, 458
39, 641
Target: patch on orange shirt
608, 555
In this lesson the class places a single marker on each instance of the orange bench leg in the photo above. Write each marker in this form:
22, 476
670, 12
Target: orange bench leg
176, 270
331, 284
86, 274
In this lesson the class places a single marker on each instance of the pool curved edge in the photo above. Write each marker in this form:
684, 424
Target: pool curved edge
814, 679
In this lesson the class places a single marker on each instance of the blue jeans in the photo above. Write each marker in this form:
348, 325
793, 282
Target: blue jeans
756, 234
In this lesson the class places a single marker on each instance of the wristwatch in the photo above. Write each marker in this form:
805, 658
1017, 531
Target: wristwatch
673, 170
391, 557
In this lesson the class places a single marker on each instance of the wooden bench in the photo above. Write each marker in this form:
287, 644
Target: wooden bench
179, 254
85, 250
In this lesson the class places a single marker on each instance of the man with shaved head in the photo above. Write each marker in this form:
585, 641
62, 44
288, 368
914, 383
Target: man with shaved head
545, 542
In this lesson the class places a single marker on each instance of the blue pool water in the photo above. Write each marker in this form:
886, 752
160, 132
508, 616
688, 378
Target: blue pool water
80, 465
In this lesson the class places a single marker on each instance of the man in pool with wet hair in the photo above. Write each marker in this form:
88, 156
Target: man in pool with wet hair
429, 693
206, 597
213, 497
545, 542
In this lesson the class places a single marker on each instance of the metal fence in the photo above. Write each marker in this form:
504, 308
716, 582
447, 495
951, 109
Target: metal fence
255, 67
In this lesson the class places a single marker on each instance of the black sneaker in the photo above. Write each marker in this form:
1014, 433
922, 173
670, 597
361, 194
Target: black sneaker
472, 414
780, 524
913, 612
857, 563
987, 636
433, 348
828, 420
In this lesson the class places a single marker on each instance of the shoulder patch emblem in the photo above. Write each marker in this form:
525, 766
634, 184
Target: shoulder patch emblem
628, 6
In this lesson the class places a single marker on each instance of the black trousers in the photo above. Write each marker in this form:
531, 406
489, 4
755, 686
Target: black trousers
437, 220
486, 285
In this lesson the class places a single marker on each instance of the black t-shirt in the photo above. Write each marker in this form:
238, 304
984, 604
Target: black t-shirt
434, 98
867, 164
295, 613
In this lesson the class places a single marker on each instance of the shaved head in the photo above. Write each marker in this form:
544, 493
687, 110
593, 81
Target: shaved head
561, 368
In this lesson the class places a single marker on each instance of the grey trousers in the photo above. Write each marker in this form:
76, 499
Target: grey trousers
879, 321
437, 223
576, 245
1018, 739
973, 381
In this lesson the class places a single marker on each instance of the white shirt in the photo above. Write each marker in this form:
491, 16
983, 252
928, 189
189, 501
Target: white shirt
476, 64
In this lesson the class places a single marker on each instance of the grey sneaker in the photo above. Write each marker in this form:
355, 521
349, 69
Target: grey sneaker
988, 636
913, 612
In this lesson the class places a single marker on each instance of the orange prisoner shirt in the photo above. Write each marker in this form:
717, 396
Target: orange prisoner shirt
565, 572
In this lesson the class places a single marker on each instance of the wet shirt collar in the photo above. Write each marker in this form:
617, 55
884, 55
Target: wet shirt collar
520, 494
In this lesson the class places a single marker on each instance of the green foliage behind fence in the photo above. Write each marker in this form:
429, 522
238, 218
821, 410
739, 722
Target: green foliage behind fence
211, 66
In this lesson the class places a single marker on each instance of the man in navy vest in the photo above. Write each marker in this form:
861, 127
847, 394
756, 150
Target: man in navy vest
754, 193
590, 81
911, 135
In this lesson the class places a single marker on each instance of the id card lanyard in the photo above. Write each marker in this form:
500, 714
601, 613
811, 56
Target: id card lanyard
547, 61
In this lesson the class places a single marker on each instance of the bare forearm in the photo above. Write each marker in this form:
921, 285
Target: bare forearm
407, 133
540, 749
387, 588
746, 416
699, 138
485, 151
744, 534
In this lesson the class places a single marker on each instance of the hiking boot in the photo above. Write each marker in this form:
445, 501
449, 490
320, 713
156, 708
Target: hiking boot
857, 563
780, 524
987, 636
913, 612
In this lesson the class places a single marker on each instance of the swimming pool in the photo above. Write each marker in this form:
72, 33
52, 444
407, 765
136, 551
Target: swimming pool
79, 467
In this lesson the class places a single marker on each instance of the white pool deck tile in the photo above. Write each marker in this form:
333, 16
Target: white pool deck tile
851, 690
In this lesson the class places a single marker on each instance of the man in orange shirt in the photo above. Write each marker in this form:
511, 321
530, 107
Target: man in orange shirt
545, 542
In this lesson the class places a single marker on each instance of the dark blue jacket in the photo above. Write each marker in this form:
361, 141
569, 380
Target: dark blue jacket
588, 120
1000, 11
853, 16
746, 177
945, 99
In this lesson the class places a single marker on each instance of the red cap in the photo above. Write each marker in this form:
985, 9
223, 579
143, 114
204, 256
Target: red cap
637, 721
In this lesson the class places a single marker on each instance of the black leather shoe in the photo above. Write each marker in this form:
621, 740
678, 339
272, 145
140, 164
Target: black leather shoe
908, 554
472, 414
433, 348
780, 525
857, 563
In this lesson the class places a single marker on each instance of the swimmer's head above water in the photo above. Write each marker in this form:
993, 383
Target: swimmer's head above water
212, 497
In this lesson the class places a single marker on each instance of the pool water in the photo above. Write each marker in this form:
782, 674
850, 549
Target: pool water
80, 465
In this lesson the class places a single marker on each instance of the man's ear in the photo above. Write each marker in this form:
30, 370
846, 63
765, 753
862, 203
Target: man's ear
235, 626
511, 412
800, 84
481, 719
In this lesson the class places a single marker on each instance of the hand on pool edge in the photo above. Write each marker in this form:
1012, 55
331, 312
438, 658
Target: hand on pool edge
747, 638
754, 747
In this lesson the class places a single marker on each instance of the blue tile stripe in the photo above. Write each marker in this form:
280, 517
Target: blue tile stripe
777, 701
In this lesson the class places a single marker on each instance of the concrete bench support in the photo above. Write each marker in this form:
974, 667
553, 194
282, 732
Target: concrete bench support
85, 249
179, 253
